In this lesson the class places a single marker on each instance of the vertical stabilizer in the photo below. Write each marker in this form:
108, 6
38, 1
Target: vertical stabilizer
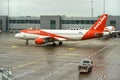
100, 23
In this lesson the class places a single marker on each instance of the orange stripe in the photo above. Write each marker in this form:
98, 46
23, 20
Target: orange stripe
44, 33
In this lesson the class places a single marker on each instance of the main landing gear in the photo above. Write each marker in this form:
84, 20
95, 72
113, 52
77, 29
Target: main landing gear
54, 44
59, 44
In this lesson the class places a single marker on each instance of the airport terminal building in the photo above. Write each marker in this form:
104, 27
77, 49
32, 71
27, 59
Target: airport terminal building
53, 22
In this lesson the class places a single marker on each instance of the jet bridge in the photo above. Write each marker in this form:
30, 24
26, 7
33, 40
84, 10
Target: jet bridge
6, 73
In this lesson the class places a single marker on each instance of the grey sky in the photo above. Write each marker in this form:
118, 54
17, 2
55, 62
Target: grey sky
81, 8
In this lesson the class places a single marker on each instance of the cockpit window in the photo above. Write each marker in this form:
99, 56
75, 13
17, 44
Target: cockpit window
85, 61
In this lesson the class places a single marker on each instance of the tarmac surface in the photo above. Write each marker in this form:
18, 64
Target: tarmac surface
34, 62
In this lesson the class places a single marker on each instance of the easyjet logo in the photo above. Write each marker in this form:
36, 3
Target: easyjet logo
100, 22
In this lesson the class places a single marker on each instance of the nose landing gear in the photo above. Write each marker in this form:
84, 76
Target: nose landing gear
26, 42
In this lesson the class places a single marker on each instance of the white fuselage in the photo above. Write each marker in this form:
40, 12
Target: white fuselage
70, 34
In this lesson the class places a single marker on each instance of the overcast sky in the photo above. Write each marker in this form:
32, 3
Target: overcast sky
79, 8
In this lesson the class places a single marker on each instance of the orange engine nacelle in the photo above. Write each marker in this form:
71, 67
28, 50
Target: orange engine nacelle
39, 41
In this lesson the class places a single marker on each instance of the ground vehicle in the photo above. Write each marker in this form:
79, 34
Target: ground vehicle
85, 66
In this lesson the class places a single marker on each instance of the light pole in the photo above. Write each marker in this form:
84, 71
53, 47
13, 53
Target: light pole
91, 8
103, 6
8, 17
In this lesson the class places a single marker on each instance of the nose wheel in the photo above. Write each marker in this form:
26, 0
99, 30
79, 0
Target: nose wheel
26, 42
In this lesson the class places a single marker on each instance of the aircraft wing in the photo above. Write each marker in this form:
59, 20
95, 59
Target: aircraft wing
53, 38
44, 37
60, 39
115, 32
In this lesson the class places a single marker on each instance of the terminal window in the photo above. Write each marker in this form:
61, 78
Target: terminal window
87, 22
52, 24
25, 21
73, 21
67, 22
112, 22
78, 21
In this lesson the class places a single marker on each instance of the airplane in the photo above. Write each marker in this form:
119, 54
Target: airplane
112, 31
42, 36
109, 29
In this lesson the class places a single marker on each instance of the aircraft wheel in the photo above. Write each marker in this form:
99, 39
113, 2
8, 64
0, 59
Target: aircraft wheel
60, 43
26, 42
54, 44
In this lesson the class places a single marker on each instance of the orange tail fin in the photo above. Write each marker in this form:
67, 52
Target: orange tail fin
100, 23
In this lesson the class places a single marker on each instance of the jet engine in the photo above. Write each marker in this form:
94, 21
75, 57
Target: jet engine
39, 41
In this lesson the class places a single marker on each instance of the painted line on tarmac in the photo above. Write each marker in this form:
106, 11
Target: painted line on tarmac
27, 64
112, 52
102, 77
14, 46
94, 54
48, 75
100, 50
23, 74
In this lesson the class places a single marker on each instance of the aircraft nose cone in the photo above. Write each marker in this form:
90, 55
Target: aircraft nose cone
16, 35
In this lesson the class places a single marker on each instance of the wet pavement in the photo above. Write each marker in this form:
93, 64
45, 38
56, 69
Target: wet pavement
34, 62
